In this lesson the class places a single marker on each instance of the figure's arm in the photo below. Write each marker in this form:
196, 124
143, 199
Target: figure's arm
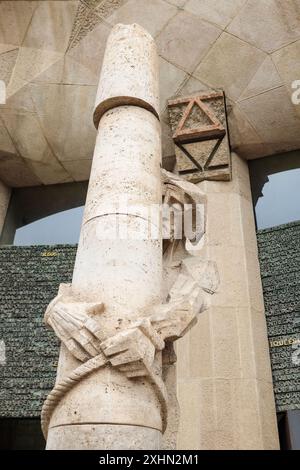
75, 323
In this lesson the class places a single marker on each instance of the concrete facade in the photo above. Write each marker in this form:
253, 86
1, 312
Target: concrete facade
202, 44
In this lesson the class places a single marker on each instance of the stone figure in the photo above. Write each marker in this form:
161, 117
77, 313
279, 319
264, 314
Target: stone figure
129, 300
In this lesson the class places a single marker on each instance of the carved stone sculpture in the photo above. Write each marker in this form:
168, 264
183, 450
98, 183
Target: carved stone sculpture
199, 126
115, 322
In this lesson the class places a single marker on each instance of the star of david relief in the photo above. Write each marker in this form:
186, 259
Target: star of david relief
200, 135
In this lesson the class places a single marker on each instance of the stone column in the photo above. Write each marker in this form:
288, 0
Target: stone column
107, 409
4, 201
224, 380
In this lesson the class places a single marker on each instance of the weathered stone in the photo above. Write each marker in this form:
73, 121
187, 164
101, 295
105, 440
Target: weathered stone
85, 21
139, 65
200, 134
106, 8
287, 64
126, 131
79, 170
110, 436
244, 139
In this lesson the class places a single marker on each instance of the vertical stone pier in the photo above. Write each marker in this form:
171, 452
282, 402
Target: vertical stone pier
224, 380
106, 409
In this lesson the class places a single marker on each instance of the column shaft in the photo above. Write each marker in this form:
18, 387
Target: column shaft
117, 262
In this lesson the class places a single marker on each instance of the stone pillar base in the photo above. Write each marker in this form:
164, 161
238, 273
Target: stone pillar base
103, 436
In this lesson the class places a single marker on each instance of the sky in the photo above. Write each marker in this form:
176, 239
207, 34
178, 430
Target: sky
60, 228
280, 203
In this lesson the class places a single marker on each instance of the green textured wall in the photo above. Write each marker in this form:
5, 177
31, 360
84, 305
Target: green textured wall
29, 279
279, 252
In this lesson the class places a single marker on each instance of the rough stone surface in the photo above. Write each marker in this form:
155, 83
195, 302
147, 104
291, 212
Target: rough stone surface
121, 274
43, 160
85, 21
279, 263
198, 159
130, 51
135, 264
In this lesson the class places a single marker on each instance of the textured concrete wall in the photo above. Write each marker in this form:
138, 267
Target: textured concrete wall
279, 254
224, 379
248, 48
29, 279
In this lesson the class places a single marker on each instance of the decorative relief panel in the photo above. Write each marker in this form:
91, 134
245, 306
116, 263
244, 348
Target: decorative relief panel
90, 13
200, 134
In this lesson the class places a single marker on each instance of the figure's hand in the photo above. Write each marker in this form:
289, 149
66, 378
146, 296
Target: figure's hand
174, 318
76, 326
132, 351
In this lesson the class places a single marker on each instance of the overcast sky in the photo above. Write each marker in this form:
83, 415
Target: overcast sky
280, 203
63, 227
